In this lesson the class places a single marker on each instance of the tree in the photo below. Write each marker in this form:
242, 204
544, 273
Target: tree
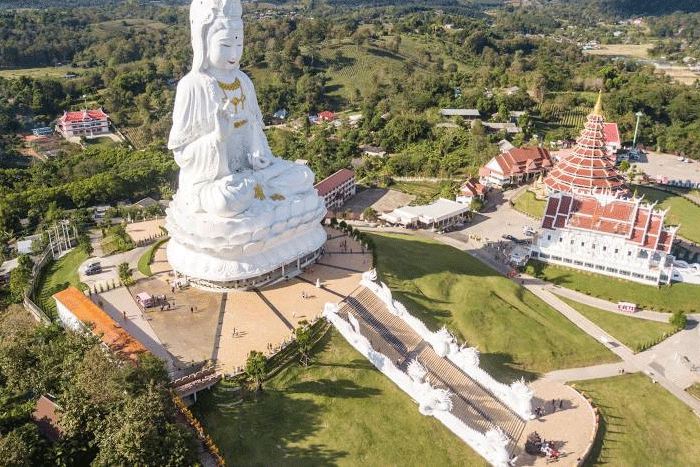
145, 433
255, 369
369, 214
303, 338
624, 166
125, 273
20, 276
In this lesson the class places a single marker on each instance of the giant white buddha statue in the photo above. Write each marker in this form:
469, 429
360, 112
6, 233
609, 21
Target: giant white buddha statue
240, 214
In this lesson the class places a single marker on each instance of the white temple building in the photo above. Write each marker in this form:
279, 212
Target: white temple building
603, 233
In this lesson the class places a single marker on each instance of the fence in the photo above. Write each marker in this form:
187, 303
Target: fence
29, 305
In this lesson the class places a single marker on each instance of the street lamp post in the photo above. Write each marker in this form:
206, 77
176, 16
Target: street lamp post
636, 128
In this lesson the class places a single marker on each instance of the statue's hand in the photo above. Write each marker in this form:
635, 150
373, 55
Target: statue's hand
258, 160
223, 124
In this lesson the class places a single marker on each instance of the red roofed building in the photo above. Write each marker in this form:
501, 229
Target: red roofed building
515, 166
327, 116
78, 313
471, 190
337, 189
612, 137
590, 167
603, 233
83, 123
46, 416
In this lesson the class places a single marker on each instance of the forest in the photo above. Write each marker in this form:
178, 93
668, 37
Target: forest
395, 67
114, 412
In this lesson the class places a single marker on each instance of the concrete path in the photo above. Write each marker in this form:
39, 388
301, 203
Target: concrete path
606, 305
110, 266
120, 306
640, 362
606, 370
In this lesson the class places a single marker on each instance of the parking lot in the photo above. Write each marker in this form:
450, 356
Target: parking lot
656, 164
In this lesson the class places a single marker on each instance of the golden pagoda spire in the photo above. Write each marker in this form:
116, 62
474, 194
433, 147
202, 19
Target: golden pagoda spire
598, 109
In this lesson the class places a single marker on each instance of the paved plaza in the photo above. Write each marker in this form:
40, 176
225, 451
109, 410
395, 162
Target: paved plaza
572, 427
379, 199
192, 326
140, 231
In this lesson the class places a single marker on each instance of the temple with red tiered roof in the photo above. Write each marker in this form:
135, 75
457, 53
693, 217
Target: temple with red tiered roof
590, 168
607, 234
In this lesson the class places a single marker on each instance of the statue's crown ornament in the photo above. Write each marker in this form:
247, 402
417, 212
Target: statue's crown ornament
203, 12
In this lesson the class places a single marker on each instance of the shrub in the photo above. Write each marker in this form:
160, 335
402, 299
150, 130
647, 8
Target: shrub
678, 319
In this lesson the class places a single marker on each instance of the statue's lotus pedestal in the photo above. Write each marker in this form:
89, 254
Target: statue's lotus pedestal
268, 242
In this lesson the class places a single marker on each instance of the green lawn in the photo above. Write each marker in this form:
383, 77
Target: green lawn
42, 72
516, 333
679, 296
528, 204
57, 276
339, 412
633, 332
144, 264
641, 424
681, 211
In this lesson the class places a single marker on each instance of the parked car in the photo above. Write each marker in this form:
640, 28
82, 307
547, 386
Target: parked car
93, 268
527, 230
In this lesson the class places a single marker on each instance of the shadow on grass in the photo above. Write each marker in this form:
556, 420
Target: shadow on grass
504, 368
343, 388
353, 365
594, 456
384, 54
267, 432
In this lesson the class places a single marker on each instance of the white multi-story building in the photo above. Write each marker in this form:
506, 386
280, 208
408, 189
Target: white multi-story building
83, 123
337, 188
602, 233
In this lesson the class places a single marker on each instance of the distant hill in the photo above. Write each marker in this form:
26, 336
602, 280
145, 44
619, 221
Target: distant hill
43, 4
648, 7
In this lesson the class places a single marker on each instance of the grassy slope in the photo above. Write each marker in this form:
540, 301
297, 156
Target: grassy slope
684, 297
43, 72
516, 332
338, 412
528, 204
681, 211
630, 331
58, 276
641, 425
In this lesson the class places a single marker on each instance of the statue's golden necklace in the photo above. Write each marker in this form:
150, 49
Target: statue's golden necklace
235, 100
230, 86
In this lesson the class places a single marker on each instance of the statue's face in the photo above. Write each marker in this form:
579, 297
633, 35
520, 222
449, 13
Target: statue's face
225, 45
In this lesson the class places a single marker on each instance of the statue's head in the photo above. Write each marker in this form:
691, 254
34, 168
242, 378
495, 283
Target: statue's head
216, 24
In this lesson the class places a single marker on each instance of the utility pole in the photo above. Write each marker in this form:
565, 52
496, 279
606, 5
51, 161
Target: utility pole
636, 129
